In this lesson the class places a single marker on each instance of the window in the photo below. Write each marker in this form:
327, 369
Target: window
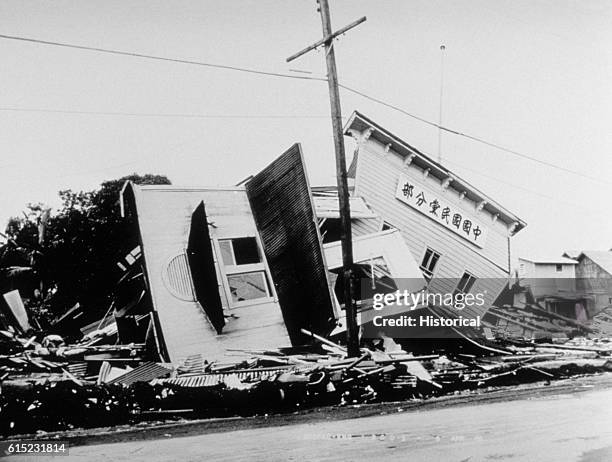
372, 276
245, 276
465, 283
330, 230
248, 286
428, 265
240, 251
559, 268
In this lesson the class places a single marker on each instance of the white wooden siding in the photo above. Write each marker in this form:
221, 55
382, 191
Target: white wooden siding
376, 181
164, 216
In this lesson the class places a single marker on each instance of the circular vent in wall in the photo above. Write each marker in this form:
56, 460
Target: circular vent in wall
177, 278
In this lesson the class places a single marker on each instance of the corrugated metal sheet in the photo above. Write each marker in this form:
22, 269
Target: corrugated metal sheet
193, 364
282, 206
208, 380
77, 369
143, 373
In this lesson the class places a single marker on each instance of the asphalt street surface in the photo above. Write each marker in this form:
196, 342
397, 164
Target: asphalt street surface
571, 423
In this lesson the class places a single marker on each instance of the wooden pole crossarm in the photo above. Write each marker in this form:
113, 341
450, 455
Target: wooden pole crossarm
326, 39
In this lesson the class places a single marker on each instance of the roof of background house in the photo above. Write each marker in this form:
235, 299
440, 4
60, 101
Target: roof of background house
573, 254
360, 123
551, 260
603, 258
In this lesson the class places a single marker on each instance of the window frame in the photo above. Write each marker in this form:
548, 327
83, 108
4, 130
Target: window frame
471, 280
427, 273
233, 250
253, 301
367, 261
388, 225
230, 270
559, 267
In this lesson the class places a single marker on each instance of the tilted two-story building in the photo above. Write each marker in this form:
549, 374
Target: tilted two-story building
459, 236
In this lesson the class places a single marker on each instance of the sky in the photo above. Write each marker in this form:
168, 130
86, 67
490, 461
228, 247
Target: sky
534, 76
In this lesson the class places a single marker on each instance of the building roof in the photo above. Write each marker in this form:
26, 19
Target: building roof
603, 258
551, 260
573, 254
361, 123
328, 207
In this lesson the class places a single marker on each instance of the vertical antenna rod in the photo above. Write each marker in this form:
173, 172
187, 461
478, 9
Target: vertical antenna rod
442, 48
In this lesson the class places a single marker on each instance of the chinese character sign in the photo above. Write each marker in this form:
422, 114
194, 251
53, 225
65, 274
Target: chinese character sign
433, 205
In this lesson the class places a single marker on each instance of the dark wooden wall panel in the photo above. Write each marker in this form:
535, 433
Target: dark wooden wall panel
281, 202
202, 264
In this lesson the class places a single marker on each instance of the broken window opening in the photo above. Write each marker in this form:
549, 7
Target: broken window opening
245, 275
565, 308
240, 251
248, 286
386, 226
371, 276
428, 265
465, 283
330, 230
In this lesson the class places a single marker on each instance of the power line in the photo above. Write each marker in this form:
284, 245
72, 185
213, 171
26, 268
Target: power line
474, 138
515, 186
321, 79
161, 58
157, 114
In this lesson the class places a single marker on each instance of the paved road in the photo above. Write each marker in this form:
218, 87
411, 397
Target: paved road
560, 427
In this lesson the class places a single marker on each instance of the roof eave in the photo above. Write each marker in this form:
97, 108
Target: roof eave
437, 170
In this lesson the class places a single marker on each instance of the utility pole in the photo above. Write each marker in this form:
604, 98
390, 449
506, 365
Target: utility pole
352, 330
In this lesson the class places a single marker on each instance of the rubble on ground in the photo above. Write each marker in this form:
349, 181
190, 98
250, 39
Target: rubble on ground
48, 385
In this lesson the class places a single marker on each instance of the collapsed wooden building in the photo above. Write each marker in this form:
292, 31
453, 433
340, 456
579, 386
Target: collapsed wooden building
252, 265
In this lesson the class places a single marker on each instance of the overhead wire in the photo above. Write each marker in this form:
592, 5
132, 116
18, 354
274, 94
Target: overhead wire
472, 137
161, 58
521, 188
304, 77
161, 114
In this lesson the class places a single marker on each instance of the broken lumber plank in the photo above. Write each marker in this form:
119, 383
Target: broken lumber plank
380, 370
357, 361
323, 340
574, 347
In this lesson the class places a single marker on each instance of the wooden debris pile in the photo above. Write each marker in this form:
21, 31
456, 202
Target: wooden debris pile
127, 389
530, 321
602, 323
21, 356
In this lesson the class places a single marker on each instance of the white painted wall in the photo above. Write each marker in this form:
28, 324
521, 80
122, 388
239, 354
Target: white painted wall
529, 269
164, 215
377, 176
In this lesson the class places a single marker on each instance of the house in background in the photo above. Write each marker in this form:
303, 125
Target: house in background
551, 282
555, 267
594, 278
577, 285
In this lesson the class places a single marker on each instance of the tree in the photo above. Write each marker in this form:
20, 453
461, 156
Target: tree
70, 256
